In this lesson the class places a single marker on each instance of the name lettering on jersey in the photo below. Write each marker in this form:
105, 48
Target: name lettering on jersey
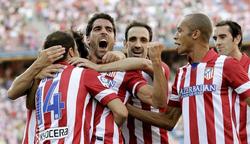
53, 133
208, 73
197, 90
109, 83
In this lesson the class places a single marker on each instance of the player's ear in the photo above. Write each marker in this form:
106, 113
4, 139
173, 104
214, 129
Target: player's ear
71, 52
196, 34
237, 39
87, 40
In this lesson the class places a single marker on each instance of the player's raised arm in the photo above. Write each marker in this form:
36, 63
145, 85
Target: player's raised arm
23, 82
156, 95
126, 64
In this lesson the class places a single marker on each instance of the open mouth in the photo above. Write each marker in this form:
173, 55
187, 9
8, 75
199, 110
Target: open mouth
177, 44
137, 53
103, 44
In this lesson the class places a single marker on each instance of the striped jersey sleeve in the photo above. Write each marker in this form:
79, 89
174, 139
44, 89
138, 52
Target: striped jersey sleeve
237, 77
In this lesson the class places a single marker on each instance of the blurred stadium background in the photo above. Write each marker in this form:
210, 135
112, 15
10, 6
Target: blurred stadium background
25, 23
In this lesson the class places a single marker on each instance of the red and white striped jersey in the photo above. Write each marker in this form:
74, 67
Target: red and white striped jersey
242, 111
64, 105
138, 132
105, 129
30, 128
204, 91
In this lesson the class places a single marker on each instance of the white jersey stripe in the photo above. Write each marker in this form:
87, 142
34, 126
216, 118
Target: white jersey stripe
55, 123
83, 119
100, 128
243, 88
134, 88
125, 132
116, 134
237, 112
103, 93
41, 127
155, 138
71, 101
185, 108
235, 135
32, 127
179, 81
218, 114
174, 97
138, 128
201, 118
94, 104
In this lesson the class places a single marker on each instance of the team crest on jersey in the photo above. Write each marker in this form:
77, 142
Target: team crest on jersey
208, 73
109, 83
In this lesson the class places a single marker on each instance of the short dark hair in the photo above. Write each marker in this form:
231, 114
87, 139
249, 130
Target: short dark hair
138, 24
234, 29
99, 16
201, 22
81, 46
60, 38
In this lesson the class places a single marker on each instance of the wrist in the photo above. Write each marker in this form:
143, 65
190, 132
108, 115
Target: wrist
156, 60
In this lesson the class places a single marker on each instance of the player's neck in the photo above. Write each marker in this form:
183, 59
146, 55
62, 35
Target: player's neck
198, 53
236, 54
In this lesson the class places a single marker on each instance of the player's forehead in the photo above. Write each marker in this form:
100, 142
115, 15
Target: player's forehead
102, 23
182, 24
138, 31
218, 30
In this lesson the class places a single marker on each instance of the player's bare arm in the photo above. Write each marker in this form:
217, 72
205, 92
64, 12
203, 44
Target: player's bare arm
23, 82
126, 64
47, 72
248, 101
156, 95
165, 120
31, 95
119, 111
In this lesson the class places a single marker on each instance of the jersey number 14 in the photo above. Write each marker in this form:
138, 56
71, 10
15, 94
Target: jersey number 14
52, 103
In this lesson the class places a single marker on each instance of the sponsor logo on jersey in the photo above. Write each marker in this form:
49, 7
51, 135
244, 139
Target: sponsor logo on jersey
208, 73
197, 90
109, 83
53, 133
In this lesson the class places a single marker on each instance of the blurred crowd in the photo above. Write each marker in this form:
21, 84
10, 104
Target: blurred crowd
25, 23
12, 113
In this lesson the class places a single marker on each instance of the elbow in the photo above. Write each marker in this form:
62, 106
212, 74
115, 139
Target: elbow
120, 116
159, 104
169, 126
10, 95
123, 114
